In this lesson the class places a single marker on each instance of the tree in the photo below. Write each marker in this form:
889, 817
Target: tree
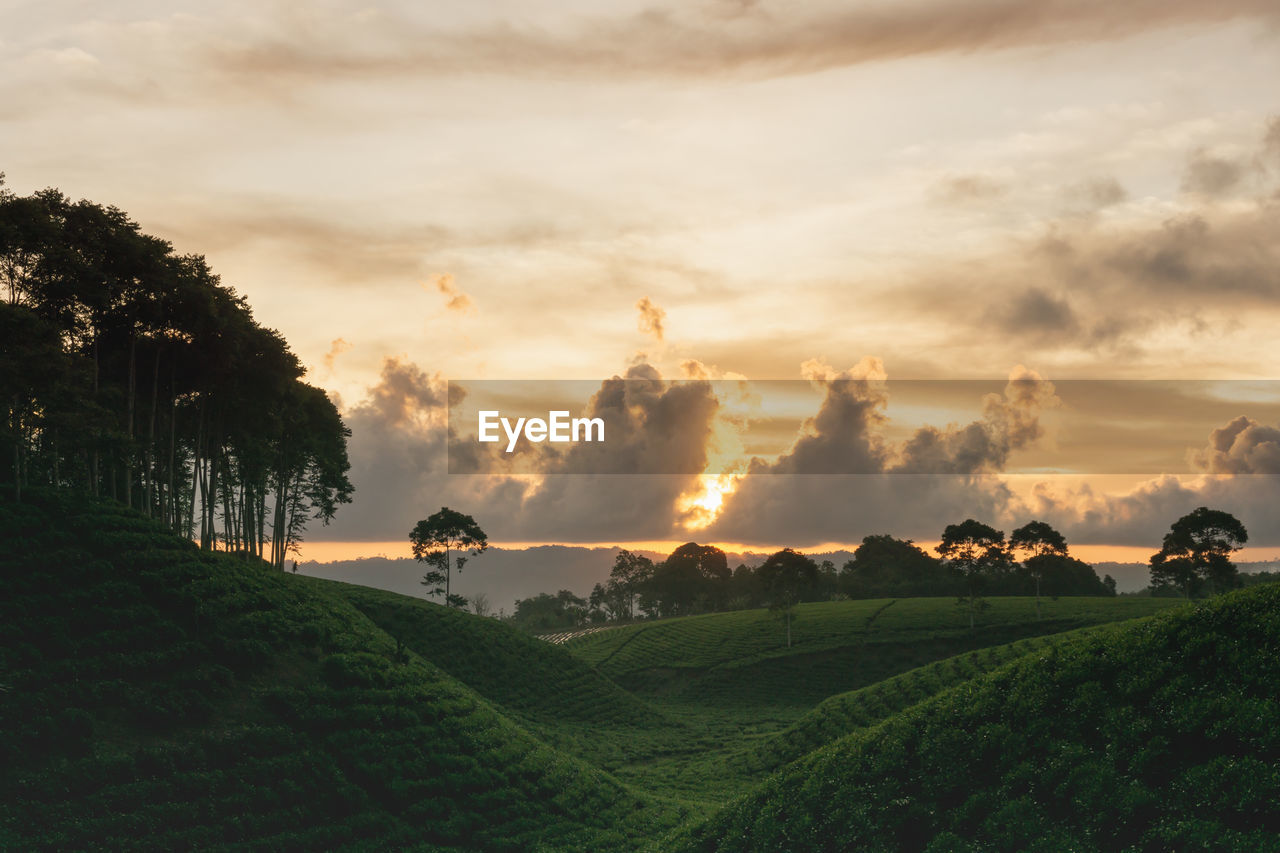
545, 612
977, 553
1196, 551
627, 580
885, 566
480, 604
435, 539
1037, 540
786, 576
693, 578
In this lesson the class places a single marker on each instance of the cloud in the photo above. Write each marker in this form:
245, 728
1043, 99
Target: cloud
1271, 143
758, 39
455, 299
337, 348
842, 479
651, 318
1037, 313
1243, 446
1241, 461
1211, 176
1096, 193
963, 189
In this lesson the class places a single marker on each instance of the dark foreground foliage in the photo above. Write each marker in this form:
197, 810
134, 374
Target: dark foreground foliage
157, 697
1161, 735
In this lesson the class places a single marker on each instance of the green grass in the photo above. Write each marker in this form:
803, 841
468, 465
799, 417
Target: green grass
844, 713
1163, 734
739, 660
157, 697
731, 681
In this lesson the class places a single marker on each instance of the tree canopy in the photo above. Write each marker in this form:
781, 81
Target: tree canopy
1196, 552
445, 541
129, 371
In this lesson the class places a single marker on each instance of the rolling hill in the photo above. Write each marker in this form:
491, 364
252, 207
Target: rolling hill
158, 697
1157, 735
154, 696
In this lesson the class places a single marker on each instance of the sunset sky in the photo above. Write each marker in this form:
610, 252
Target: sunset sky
414, 193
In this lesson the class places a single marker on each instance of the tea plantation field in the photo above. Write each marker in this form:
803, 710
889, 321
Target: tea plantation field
155, 697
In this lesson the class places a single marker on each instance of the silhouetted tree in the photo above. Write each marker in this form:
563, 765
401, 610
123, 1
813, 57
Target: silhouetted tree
627, 580
786, 577
1037, 540
146, 380
546, 612
693, 578
977, 553
885, 566
435, 539
1197, 550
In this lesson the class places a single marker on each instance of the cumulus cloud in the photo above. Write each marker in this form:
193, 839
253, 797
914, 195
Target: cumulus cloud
872, 485
1241, 461
337, 348
455, 299
1243, 446
651, 318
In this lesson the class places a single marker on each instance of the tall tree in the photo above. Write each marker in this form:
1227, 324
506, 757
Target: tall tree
155, 384
977, 553
787, 576
627, 580
1197, 551
444, 541
1037, 540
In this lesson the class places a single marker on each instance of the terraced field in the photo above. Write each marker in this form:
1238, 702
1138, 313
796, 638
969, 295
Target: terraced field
740, 659
162, 698
1156, 735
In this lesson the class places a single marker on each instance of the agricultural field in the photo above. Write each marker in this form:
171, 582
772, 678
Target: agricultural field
160, 697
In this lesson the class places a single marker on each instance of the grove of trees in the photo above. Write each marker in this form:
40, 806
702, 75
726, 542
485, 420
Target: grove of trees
975, 560
129, 371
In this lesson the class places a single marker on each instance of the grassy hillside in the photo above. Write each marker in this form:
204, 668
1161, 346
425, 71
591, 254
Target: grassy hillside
1159, 735
844, 713
158, 697
740, 659
502, 663
566, 702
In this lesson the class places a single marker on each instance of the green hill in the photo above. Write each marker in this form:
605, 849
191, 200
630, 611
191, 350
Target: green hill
1157, 735
740, 659
839, 715
159, 697
566, 702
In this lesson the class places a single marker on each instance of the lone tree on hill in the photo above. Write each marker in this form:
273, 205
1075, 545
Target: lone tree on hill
786, 577
435, 539
1040, 543
1196, 551
976, 552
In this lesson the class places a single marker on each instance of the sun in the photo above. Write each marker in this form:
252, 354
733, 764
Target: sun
700, 507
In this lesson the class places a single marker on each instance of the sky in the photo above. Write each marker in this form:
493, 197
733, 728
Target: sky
672, 197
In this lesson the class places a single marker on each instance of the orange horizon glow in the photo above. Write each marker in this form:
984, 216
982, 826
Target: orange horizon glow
328, 552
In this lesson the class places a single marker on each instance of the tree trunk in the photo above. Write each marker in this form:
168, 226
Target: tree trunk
149, 490
133, 392
17, 455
